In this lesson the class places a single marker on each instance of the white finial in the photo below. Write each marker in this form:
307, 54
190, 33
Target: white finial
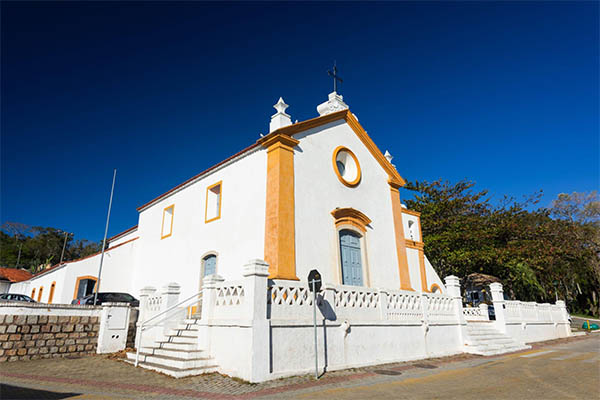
388, 156
280, 106
335, 103
280, 118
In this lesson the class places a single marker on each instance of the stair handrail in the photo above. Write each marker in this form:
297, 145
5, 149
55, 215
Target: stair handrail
144, 325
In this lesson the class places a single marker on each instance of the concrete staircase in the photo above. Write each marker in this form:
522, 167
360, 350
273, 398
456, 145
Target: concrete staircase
177, 354
483, 339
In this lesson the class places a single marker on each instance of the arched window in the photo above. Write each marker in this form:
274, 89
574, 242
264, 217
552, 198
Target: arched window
40, 294
411, 230
209, 265
435, 289
51, 295
33, 293
351, 258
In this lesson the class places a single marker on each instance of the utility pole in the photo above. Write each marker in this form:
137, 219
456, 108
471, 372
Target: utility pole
63, 250
19, 256
112, 189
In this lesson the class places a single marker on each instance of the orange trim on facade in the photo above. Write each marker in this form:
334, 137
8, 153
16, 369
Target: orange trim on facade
422, 270
350, 119
280, 240
32, 293
206, 219
40, 294
352, 217
162, 229
79, 279
51, 295
400, 240
413, 244
411, 212
337, 171
434, 286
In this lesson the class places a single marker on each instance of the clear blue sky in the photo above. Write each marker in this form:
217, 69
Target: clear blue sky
503, 93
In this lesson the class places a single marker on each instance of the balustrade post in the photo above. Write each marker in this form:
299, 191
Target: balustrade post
145, 294
485, 315
209, 295
499, 306
170, 297
563, 308
453, 289
329, 297
425, 311
383, 304
256, 273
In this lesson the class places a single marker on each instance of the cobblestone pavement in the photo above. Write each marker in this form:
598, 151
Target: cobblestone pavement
99, 377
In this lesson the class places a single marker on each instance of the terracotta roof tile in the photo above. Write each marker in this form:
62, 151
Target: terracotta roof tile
14, 275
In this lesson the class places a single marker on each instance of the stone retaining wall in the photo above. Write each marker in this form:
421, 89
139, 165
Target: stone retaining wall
29, 331
29, 337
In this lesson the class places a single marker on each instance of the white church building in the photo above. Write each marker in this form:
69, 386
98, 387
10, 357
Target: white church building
231, 248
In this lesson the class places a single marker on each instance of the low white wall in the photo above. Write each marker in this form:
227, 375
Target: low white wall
356, 326
534, 322
529, 321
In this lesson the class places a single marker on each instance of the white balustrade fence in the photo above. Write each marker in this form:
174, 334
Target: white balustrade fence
525, 311
480, 313
289, 300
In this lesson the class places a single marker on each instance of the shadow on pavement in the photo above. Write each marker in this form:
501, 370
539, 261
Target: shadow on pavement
10, 392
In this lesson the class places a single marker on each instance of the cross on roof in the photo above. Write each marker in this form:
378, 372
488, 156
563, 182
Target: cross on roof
335, 76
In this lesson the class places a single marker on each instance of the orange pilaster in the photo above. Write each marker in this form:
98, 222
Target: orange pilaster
280, 241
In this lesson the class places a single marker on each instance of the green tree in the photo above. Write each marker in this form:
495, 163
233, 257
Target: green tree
538, 254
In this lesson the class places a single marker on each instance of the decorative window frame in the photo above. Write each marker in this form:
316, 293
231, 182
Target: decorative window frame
40, 294
79, 279
356, 181
435, 286
206, 219
51, 294
33, 294
208, 253
162, 228
352, 220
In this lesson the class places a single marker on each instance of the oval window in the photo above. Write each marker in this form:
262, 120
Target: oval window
346, 166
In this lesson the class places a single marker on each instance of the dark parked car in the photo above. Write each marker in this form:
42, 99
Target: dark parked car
108, 297
16, 297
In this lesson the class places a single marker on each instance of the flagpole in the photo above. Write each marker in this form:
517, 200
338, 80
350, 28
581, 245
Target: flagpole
112, 189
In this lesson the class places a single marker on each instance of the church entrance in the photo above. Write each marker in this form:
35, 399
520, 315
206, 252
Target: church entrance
351, 258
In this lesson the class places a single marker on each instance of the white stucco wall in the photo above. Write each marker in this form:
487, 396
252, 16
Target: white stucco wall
318, 192
236, 237
116, 275
124, 238
432, 276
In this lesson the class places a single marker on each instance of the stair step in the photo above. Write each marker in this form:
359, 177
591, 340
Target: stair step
181, 354
181, 339
176, 372
177, 346
172, 362
184, 332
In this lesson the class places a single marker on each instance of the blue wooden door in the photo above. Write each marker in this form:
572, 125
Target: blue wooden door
210, 265
351, 258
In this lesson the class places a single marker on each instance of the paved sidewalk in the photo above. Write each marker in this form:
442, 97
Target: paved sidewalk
96, 377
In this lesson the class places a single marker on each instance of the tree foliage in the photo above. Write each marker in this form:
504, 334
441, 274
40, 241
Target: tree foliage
39, 246
538, 254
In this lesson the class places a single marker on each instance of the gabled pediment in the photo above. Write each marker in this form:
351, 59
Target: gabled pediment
394, 180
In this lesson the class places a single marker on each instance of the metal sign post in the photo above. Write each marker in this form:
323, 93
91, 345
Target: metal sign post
314, 285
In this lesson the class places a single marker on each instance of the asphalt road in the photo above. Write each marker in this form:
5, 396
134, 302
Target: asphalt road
563, 371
